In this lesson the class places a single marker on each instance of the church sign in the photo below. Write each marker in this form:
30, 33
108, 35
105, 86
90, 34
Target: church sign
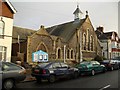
40, 56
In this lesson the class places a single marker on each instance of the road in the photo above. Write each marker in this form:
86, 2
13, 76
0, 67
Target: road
98, 82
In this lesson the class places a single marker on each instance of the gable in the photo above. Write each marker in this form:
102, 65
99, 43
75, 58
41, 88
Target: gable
6, 9
42, 31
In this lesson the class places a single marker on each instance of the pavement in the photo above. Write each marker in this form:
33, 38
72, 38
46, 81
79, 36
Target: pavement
29, 77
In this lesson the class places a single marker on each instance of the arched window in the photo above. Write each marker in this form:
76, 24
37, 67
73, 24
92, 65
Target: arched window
42, 47
88, 39
59, 53
68, 54
2, 24
91, 43
72, 54
84, 41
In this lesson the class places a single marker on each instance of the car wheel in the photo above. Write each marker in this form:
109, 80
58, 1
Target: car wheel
112, 68
51, 78
104, 70
93, 72
8, 84
76, 74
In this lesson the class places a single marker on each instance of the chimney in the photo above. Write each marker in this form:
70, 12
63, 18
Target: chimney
100, 29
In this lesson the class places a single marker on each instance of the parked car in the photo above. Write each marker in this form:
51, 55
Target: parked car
52, 71
110, 64
117, 60
90, 67
11, 74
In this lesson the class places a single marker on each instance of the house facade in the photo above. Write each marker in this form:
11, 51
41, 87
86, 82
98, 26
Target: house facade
110, 42
19, 45
72, 41
7, 12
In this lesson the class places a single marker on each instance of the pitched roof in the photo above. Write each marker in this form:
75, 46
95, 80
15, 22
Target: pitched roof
66, 30
10, 5
22, 32
77, 10
106, 35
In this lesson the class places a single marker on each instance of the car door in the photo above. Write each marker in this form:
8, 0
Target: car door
67, 69
97, 67
11, 71
57, 69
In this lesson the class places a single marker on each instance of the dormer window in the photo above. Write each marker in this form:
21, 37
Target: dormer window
2, 24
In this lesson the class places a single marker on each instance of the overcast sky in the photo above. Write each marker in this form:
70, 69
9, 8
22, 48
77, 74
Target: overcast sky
31, 14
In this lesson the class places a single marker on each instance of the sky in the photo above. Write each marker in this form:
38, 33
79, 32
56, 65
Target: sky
34, 13
119, 19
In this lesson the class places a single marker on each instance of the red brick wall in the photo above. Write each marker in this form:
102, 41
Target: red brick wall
5, 10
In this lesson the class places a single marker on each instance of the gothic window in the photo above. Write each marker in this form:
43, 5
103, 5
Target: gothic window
84, 41
88, 39
68, 55
91, 43
59, 53
42, 47
2, 24
72, 54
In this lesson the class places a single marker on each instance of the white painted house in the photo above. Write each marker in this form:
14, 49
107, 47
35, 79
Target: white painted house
110, 42
7, 12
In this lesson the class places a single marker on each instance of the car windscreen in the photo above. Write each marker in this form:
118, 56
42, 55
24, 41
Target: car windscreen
85, 63
10, 66
43, 65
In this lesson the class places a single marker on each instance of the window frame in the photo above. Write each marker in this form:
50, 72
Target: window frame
2, 28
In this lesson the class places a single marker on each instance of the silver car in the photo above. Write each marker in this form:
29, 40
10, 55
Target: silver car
10, 74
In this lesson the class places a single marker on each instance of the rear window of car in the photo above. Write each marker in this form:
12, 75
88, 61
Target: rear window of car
85, 63
42, 65
10, 66
106, 61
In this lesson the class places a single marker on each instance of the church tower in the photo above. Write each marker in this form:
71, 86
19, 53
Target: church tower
77, 14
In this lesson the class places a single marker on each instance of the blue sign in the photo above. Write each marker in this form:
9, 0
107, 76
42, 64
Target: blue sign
40, 56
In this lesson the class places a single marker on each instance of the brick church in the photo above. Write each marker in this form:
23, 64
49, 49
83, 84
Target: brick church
71, 41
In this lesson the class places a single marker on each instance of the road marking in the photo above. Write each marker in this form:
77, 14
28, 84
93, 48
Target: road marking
105, 87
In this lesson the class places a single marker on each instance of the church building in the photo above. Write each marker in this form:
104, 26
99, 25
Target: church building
72, 41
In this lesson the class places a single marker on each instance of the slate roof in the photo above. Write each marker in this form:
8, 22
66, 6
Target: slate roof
66, 30
106, 35
22, 32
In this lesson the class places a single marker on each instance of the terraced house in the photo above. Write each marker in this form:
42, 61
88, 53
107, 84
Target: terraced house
110, 42
69, 42
7, 12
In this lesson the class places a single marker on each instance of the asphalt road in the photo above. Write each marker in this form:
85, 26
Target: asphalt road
100, 81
